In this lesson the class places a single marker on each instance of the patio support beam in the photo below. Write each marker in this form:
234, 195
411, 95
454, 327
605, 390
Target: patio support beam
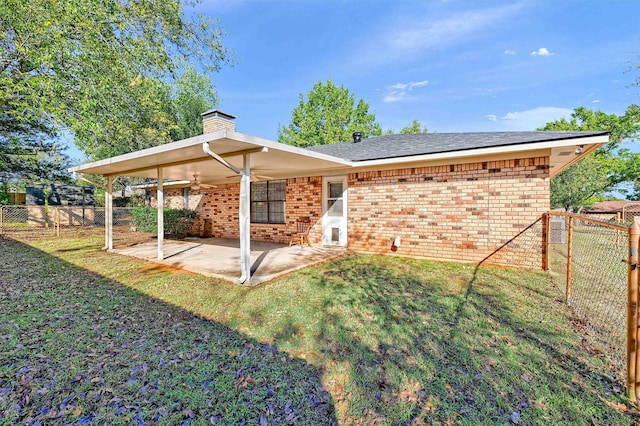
245, 203
160, 213
245, 222
108, 215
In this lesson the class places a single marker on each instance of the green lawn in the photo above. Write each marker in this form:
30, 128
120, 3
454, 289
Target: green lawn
88, 336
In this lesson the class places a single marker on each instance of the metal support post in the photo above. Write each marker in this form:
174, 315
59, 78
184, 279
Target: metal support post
160, 213
245, 222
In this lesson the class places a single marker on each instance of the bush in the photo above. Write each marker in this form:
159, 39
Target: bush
177, 222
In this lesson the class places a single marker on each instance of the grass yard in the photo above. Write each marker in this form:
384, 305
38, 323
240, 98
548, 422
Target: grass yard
90, 337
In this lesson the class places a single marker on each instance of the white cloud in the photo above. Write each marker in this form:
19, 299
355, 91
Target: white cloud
531, 119
595, 101
509, 52
410, 40
543, 51
491, 117
400, 91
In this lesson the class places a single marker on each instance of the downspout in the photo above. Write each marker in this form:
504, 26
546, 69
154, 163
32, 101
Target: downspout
245, 239
207, 150
244, 220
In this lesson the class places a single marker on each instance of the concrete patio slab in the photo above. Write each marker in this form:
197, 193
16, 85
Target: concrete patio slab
220, 257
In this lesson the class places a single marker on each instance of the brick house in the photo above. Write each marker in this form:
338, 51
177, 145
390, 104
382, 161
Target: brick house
446, 196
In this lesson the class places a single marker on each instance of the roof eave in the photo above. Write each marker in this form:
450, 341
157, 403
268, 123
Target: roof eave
94, 167
593, 143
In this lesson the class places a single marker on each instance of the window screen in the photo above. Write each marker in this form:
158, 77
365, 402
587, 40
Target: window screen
334, 200
268, 201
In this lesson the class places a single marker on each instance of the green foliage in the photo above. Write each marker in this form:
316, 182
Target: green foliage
621, 127
589, 179
579, 185
101, 69
193, 95
145, 219
29, 150
4, 194
129, 201
328, 115
177, 222
414, 128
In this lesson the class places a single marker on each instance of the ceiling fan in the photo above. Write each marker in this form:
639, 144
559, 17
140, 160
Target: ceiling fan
196, 184
254, 177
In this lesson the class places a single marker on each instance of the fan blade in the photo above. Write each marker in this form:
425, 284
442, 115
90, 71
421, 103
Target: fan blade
263, 177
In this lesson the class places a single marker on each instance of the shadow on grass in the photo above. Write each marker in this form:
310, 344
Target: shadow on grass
411, 346
79, 348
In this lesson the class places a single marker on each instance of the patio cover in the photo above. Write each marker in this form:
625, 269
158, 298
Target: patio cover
180, 160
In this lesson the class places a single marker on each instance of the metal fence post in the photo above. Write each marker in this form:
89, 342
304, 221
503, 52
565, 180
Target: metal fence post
632, 310
569, 254
545, 242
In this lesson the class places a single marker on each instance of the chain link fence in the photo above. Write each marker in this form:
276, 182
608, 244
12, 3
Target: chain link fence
524, 251
26, 218
629, 212
588, 260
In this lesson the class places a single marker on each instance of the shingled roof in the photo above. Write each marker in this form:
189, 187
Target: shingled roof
396, 146
609, 206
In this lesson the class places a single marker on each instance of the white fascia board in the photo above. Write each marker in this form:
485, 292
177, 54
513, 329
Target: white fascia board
590, 140
196, 140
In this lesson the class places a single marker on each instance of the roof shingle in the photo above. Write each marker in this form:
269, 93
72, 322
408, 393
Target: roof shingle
395, 146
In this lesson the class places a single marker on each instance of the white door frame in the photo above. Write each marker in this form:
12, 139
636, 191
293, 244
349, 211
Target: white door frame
334, 227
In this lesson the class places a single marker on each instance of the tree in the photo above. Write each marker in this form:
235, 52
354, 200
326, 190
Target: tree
28, 151
101, 69
328, 115
414, 128
607, 167
193, 95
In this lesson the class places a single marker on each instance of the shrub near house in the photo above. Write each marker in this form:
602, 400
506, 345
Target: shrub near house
177, 222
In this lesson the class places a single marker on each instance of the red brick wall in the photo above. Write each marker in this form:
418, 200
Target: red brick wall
221, 204
459, 212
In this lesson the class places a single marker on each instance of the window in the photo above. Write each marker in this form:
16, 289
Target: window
268, 200
334, 200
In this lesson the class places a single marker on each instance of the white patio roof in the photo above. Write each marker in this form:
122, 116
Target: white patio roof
182, 159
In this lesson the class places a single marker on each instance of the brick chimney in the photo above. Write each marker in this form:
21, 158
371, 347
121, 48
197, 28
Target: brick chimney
215, 120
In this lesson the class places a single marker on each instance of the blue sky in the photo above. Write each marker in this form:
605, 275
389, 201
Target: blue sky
454, 65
